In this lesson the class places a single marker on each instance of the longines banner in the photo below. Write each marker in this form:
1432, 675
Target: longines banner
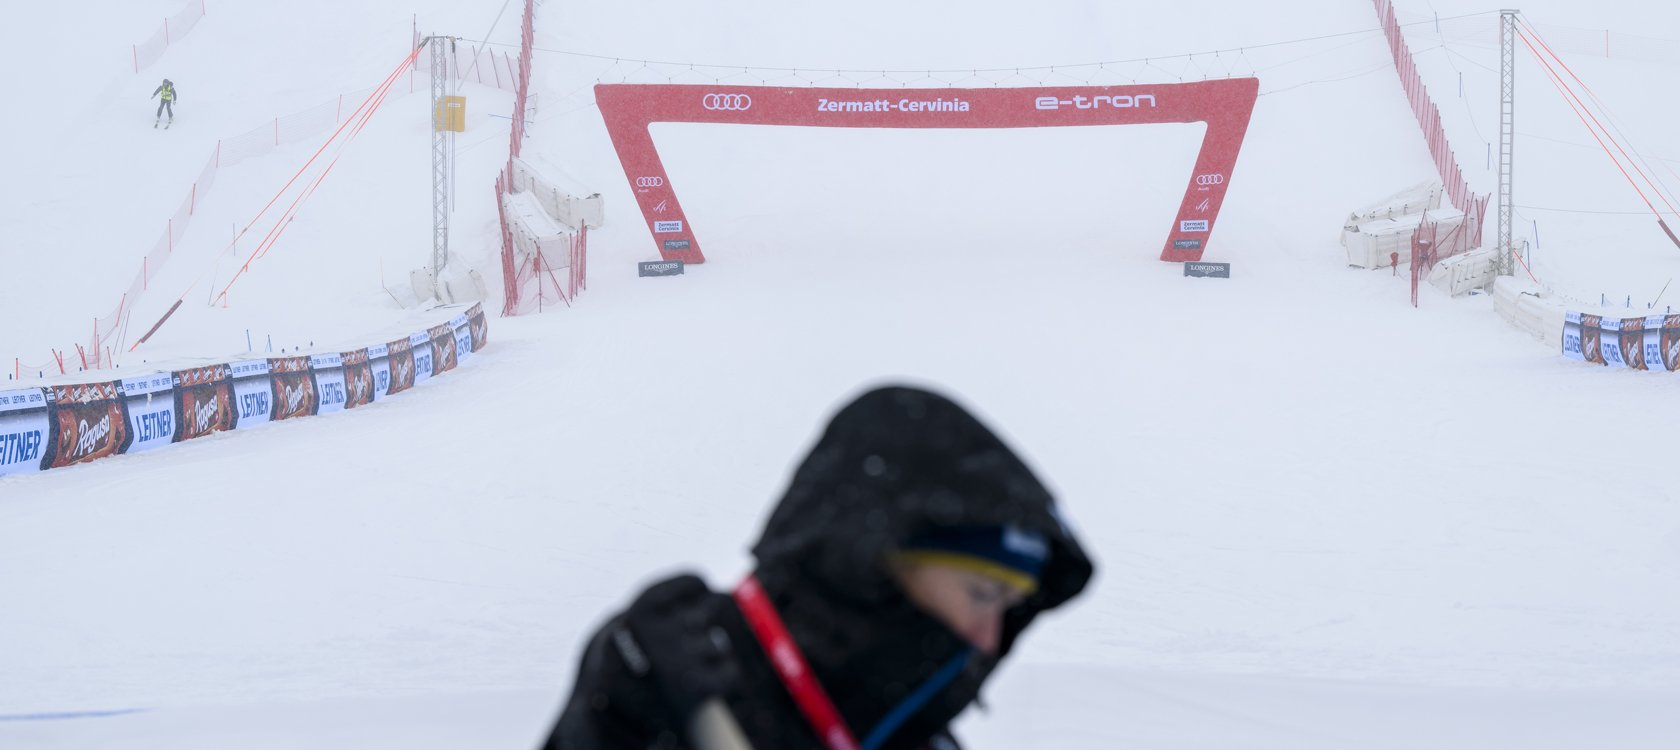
86, 422
151, 410
327, 371
420, 346
463, 338
23, 431
1224, 105
379, 364
204, 401
252, 393
358, 379
293, 387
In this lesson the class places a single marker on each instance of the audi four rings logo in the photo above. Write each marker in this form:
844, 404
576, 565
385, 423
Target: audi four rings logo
647, 182
1210, 179
727, 102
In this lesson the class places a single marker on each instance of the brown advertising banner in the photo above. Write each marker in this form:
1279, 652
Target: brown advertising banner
443, 348
1633, 342
87, 422
480, 330
358, 379
1671, 342
1590, 349
293, 387
401, 358
203, 401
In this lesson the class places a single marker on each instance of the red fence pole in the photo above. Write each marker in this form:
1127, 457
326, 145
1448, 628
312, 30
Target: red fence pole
136, 49
166, 32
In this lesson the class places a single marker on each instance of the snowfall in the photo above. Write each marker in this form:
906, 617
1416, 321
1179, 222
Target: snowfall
1322, 518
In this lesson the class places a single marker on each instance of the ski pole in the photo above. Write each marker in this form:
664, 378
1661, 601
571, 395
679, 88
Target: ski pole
714, 728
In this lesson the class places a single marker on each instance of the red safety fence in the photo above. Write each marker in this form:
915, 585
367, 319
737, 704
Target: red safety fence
1427, 247
173, 29
1430, 246
1428, 115
535, 272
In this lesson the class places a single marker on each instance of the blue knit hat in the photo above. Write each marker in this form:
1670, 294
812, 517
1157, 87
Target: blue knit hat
1007, 553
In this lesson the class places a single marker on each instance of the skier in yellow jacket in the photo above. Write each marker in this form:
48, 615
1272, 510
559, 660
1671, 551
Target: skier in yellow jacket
167, 89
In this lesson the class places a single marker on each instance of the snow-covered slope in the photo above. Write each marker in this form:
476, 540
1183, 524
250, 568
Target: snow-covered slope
1321, 518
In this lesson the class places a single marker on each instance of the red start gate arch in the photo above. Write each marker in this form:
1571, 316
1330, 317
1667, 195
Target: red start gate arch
1225, 105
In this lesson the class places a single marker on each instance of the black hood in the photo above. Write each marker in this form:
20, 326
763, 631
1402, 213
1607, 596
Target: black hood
893, 462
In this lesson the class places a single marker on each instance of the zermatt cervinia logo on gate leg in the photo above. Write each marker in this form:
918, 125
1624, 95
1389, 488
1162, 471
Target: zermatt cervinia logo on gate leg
1223, 105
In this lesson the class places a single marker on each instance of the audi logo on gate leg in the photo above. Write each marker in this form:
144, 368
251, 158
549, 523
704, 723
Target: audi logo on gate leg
649, 182
1210, 179
727, 102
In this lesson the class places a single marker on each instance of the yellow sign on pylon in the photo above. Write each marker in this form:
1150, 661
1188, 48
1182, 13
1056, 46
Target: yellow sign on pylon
453, 114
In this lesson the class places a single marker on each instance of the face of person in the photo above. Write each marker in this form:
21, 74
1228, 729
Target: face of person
970, 603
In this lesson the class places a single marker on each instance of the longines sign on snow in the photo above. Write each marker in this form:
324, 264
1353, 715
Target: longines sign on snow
1223, 105
1207, 270
660, 268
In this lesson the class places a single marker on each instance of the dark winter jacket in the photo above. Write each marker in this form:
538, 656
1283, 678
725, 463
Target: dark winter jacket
893, 462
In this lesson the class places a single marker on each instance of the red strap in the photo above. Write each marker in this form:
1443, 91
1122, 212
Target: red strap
791, 666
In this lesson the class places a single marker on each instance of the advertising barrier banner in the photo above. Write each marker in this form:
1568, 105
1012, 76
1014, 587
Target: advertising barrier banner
1610, 342
328, 373
402, 365
86, 422
23, 431
420, 345
203, 401
1590, 333
253, 394
463, 342
1572, 335
64, 425
480, 330
443, 349
379, 363
1225, 105
358, 379
293, 388
152, 418
1633, 342
1670, 342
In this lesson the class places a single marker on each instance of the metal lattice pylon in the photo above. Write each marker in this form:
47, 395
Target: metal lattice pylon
1507, 132
440, 164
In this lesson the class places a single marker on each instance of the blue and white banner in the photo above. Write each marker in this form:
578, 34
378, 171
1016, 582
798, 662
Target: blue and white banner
463, 340
151, 410
379, 361
329, 382
1652, 343
23, 430
253, 397
421, 345
1572, 335
1610, 342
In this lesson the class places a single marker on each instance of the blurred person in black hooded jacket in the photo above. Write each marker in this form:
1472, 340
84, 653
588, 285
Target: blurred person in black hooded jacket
910, 551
